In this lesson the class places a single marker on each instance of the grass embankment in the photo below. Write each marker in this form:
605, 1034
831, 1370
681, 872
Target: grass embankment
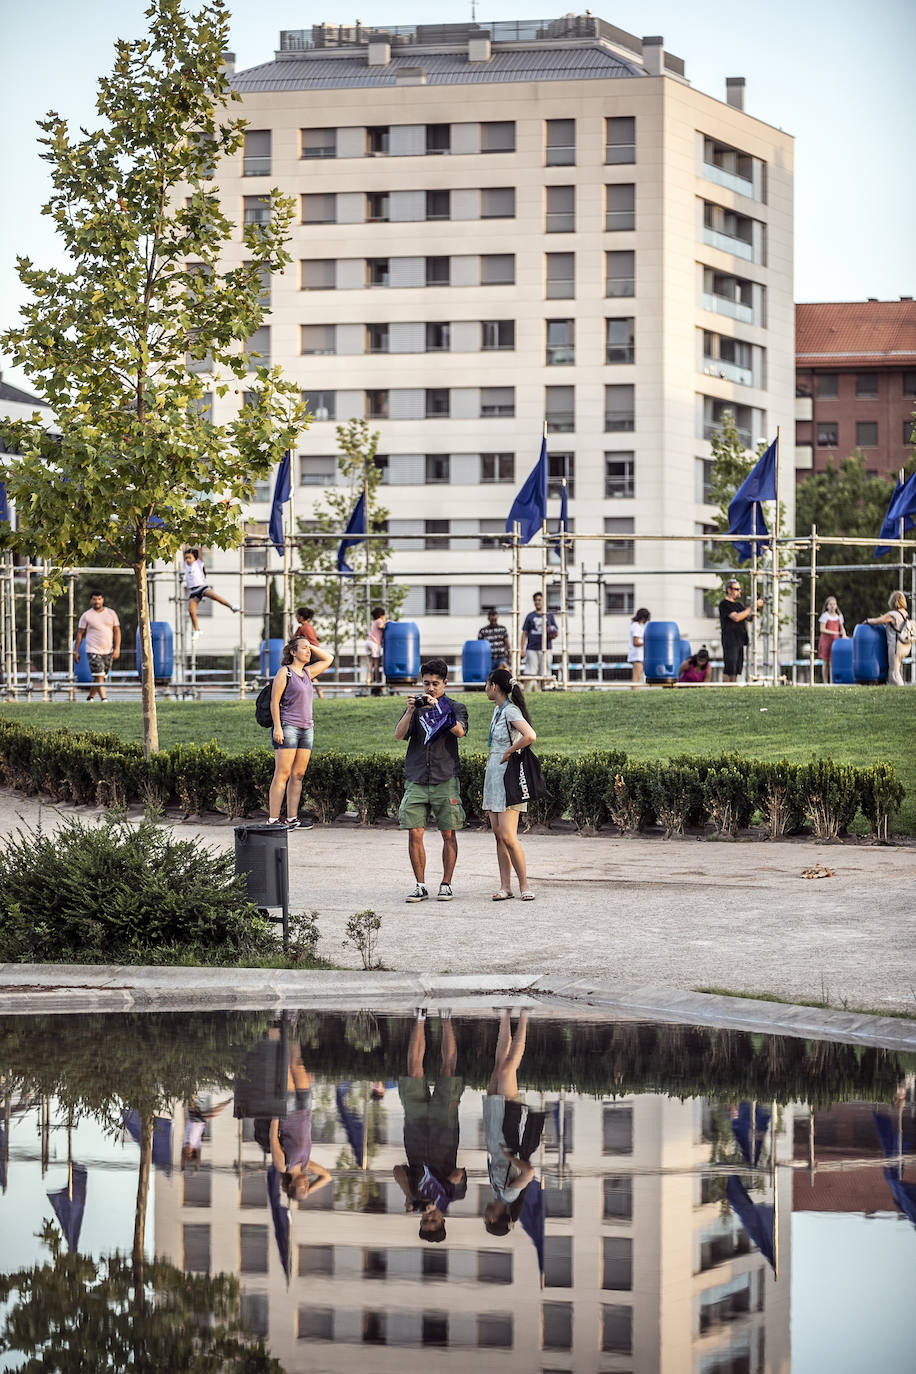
854, 725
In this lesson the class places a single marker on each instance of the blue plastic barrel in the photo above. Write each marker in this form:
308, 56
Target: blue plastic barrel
684, 651
271, 654
476, 660
163, 657
401, 650
869, 653
661, 646
83, 673
841, 669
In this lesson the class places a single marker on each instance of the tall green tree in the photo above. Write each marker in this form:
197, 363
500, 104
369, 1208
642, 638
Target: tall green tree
139, 467
844, 500
340, 602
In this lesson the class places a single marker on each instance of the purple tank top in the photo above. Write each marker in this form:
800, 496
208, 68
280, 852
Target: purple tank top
296, 701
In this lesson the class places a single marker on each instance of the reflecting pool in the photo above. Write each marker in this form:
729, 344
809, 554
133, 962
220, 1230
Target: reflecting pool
356, 1191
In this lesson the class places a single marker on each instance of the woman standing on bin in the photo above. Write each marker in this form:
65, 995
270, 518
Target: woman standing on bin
293, 730
510, 731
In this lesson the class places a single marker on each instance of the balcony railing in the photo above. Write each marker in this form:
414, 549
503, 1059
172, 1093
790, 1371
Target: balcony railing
727, 243
622, 421
560, 355
561, 421
620, 286
256, 165
745, 436
620, 353
729, 372
729, 179
721, 305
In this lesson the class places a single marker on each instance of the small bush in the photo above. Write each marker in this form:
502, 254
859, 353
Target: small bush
728, 799
325, 785
880, 796
779, 797
368, 779
114, 893
362, 934
673, 791
830, 795
628, 801
470, 780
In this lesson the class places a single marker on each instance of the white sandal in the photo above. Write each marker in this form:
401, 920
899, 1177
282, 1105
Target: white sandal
502, 895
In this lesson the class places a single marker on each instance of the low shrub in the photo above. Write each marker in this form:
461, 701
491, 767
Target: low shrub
369, 784
628, 799
326, 786
673, 791
110, 892
830, 795
880, 795
780, 798
728, 800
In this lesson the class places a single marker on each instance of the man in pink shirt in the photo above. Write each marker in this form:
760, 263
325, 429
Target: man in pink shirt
101, 629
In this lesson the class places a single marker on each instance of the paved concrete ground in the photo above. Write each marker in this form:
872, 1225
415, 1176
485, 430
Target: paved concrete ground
680, 914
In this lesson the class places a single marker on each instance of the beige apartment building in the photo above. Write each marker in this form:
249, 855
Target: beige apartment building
510, 223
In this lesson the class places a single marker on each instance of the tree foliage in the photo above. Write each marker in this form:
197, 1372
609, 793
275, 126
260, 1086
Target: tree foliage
138, 466
340, 602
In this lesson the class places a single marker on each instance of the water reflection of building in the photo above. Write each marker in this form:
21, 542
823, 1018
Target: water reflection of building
645, 1268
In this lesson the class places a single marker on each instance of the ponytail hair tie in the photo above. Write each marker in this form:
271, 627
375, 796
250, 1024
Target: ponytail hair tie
513, 682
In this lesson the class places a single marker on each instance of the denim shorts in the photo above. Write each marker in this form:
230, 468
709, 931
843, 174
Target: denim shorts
295, 737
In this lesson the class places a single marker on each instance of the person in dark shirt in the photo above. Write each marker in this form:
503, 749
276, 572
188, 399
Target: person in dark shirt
733, 618
497, 636
432, 726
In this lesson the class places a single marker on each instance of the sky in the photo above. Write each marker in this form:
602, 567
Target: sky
836, 74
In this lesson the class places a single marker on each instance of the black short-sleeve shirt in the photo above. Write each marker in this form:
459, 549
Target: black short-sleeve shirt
437, 761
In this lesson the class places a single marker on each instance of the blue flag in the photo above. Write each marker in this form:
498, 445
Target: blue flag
902, 506
745, 513
282, 488
355, 525
4, 504
563, 527
530, 506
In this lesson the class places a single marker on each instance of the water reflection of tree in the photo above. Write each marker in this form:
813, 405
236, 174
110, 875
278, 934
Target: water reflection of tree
74, 1314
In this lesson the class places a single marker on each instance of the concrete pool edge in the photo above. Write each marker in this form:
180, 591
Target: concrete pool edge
27, 989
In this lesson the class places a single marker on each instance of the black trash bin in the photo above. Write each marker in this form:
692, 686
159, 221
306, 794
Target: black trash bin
262, 857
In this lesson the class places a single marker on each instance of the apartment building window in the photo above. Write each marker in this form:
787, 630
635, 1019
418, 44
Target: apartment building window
493, 534
497, 334
750, 422
322, 405
827, 434
315, 1323
866, 433
909, 431
437, 601
556, 1325
620, 139
620, 340
252, 1249
618, 1198
706, 603
619, 550
560, 209
620, 277
732, 233
438, 468
256, 209
380, 463
561, 467
619, 476
561, 343
317, 338
438, 271
262, 272
437, 338
202, 406
909, 383
377, 338
438, 204
258, 344
558, 1266
560, 276
620, 206
497, 202
254, 1310
560, 409
497, 467
828, 386
497, 269
256, 153
438, 138
378, 271
434, 529
378, 139
497, 136
317, 472
704, 473
318, 208
620, 600
617, 1328
377, 405
437, 402
561, 143
317, 143
494, 1330
867, 384
617, 1270
195, 1245
497, 401
377, 207
734, 296
619, 408
317, 274
732, 359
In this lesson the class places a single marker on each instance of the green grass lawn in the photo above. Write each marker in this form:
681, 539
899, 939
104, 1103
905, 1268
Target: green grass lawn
856, 725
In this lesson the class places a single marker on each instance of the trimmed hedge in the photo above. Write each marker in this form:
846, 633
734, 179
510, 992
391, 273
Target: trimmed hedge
595, 791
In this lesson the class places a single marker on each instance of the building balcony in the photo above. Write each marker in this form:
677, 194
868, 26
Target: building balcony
727, 243
729, 179
728, 372
721, 305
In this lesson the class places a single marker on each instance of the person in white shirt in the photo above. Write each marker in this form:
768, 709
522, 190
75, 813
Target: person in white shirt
195, 579
635, 649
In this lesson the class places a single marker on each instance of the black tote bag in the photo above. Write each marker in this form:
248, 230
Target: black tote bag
523, 778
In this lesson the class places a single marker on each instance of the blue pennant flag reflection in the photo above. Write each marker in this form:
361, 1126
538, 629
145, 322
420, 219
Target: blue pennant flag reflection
742, 1128
355, 525
348, 1118
757, 1218
529, 508
904, 1194
282, 488
69, 1205
745, 513
902, 506
280, 1215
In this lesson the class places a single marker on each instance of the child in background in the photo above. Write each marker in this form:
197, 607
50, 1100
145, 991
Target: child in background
195, 579
832, 629
374, 648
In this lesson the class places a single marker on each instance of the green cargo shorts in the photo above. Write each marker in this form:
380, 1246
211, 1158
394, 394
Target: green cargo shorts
443, 799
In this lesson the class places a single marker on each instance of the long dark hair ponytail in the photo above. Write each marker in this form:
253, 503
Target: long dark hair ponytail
506, 683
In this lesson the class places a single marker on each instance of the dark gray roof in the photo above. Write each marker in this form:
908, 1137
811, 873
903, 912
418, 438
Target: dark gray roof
12, 393
442, 69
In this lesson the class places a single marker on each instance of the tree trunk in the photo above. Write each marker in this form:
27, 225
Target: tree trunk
150, 722
146, 1156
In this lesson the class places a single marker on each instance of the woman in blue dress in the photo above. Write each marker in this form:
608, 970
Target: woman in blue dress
510, 732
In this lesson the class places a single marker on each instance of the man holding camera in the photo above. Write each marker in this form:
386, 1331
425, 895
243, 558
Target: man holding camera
733, 618
432, 726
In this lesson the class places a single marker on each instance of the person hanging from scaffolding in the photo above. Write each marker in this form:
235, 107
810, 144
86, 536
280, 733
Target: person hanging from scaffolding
195, 579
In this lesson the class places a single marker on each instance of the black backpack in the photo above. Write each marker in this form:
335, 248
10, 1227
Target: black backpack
262, 706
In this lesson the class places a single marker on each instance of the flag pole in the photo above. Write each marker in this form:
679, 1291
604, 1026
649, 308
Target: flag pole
776, 568
755, 641
368, 585
564, 642
516, 599
543, 676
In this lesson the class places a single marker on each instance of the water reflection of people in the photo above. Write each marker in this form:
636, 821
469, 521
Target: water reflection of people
431, 1178
288, 1139
512, 1131
195, 1123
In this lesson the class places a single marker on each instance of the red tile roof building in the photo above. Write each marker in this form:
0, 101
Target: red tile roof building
855, 374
